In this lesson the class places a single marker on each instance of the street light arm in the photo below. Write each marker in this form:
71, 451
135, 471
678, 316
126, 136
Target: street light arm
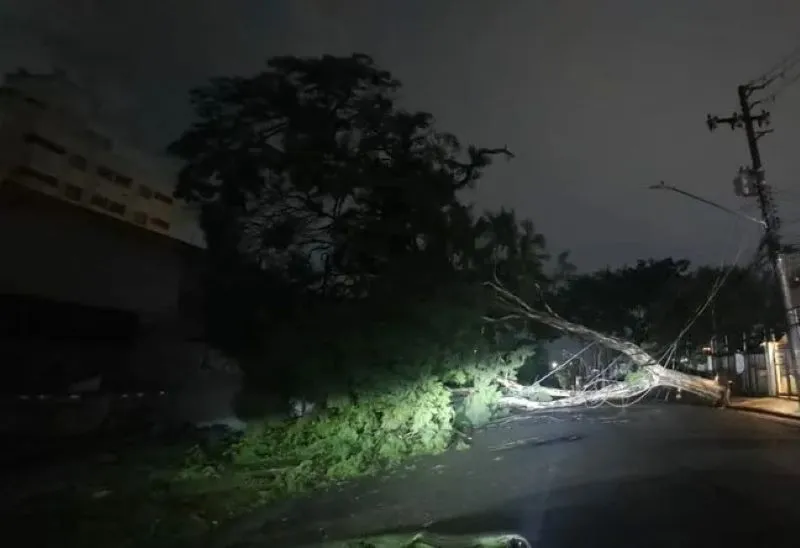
664, 186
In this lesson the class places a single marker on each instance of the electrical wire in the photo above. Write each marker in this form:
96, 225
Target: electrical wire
777, 70
787, 83
781, 71
669, 351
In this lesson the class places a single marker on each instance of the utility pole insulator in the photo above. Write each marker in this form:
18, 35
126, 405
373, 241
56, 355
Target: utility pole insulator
713, 121
762, 119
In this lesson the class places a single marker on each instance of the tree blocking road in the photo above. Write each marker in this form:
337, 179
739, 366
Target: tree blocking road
650, 374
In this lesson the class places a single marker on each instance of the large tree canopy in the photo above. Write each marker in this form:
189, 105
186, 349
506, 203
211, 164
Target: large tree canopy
322, 198
329, 208
310, 169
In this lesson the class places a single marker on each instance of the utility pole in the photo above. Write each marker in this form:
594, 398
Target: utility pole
750, 182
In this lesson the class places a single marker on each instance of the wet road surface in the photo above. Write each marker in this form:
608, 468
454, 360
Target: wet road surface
650, 475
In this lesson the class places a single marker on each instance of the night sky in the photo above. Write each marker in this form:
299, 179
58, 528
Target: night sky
598, 100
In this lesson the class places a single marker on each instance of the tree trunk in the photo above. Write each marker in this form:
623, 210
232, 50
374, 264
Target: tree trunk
650, 374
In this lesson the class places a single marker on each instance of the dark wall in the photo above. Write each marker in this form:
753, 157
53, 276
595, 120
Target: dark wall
52, 249
77, 289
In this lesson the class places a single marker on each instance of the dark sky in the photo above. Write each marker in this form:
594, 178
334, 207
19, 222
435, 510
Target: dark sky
597, 99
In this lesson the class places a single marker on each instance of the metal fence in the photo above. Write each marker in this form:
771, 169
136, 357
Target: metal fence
753, 376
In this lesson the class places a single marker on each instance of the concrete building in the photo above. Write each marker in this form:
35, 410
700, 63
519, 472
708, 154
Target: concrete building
94, 249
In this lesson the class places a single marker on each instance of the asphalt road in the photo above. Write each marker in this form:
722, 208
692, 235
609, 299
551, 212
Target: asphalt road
651, 475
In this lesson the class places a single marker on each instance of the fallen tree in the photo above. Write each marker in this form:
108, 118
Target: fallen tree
649, 374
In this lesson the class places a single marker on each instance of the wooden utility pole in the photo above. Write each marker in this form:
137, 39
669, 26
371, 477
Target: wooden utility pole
750, 182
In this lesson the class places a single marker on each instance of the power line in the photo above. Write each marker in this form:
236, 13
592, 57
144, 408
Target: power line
751, 183
780, 71
780, 68
787, 83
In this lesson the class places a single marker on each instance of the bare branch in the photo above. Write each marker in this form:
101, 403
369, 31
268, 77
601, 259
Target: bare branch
652, 373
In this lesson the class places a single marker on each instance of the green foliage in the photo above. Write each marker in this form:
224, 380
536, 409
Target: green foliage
345, 270
359, 438
200, 465
480, 405
315, 185
636, 377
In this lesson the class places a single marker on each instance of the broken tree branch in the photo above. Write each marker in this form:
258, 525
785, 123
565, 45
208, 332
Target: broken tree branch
651, 373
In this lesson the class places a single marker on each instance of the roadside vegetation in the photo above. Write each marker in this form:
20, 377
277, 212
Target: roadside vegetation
345, 269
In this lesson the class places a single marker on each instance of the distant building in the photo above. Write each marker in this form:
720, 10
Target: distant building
93, 246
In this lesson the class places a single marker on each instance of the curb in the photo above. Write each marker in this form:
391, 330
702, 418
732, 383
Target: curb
768, 412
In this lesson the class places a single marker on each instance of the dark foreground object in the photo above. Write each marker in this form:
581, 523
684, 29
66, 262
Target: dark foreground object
652, 475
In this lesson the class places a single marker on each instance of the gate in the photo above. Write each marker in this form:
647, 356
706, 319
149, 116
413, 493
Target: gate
754, 378
785, 384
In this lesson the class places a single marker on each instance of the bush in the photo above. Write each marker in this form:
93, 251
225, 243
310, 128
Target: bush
278, 458
379, 431
382, 388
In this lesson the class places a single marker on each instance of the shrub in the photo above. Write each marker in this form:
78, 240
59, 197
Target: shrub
383, 387
378, 431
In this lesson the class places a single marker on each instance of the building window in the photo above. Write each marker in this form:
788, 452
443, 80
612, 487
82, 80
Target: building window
162, 198
73, 192
116, 207
159, 223
99, 201
140, 218
105, 173
38, 175
111, 175
40, 141
145, 192
78, 162
109, 205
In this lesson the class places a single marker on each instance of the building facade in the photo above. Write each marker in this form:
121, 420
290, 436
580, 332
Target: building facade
50, 144
93, 244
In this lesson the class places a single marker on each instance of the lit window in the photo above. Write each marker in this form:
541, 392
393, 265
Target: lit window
78, 162
38, 175
73, 192
38, 140
159, 223
163, 198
